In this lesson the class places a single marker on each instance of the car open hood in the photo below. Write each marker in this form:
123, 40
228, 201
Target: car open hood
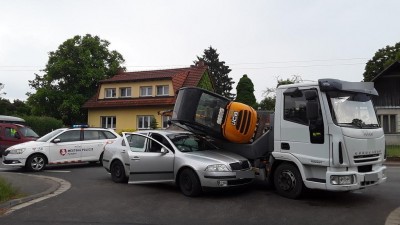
214, 156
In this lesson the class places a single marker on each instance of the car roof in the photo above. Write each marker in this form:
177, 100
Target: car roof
85, 128
164, 132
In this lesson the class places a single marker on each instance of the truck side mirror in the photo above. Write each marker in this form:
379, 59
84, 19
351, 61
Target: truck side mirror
312, 110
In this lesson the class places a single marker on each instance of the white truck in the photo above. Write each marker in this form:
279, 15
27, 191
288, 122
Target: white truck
323, 135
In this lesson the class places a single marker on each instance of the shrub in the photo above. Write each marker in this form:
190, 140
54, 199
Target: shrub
43, 124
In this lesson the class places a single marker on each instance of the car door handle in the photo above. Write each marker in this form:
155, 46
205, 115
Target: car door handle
136, 158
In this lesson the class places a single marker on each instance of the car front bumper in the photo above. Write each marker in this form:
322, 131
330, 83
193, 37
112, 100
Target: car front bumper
226, 179
13, 160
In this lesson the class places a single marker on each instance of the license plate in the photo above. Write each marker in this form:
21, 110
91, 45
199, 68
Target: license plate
371, 177
245, 174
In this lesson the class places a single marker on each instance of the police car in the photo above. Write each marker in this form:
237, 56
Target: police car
61, 146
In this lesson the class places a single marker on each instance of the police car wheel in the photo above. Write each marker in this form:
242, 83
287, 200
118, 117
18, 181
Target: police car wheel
36, 163
189, 183
118, 172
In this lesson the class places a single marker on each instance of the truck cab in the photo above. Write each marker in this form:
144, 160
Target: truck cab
329, 131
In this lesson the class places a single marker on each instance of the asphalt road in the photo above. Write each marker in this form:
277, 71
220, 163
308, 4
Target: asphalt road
95, 199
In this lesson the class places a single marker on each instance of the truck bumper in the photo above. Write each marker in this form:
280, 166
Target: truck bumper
359, 180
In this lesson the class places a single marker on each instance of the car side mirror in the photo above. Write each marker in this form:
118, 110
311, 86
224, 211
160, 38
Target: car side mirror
164, 151
57, 140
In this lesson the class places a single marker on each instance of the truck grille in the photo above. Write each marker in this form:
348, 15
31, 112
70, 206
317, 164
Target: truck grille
366, 158
243, 121
242, 165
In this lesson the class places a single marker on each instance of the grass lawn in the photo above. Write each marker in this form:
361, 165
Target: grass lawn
393, 150
7, 191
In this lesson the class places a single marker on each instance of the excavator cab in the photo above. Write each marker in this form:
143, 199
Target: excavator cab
207, 113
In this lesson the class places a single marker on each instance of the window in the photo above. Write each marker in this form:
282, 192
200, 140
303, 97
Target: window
125, 92
165, 120
163, 90
110, 93
146, 91
93, 135
388, 123
295, 108
10, 132
68, 136
108, 122
136, 143
144, 122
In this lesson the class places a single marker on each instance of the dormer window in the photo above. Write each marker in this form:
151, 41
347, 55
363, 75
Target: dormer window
110, 93
162, 90
146, 91
125, 92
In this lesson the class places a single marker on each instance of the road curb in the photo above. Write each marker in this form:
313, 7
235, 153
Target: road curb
55, 185
393, 218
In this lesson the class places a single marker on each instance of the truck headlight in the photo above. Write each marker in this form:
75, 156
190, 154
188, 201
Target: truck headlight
217, 168
16, 151
342, 179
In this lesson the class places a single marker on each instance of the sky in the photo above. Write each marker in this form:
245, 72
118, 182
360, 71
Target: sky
267, 40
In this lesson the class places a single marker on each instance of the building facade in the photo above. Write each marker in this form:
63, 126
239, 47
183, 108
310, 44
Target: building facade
136, 100
387, 104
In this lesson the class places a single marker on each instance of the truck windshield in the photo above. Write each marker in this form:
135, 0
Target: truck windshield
352, 110
210, 111
190, 142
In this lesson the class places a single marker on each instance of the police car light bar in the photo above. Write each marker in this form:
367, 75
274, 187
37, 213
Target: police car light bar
80, 126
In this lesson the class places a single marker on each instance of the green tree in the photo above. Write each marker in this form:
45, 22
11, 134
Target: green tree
268, 103
1, 88
383, 58
218, 71
245, 92
71, 77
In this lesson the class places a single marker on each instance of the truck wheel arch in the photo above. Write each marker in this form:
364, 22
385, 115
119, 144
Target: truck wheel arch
292, 160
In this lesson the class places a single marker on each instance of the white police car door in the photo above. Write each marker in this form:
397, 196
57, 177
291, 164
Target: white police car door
150, 161
66, 147
92, 144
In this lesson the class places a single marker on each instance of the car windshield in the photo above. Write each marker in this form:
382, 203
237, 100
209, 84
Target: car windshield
50, 135
352, 110
28, 132
190, 142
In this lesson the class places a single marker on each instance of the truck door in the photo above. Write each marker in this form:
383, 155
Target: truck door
302, 136
150, 161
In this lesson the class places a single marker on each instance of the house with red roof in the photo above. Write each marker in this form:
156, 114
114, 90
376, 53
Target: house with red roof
132, 100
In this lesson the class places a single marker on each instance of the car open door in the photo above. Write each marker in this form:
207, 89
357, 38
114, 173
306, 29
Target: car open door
150, 160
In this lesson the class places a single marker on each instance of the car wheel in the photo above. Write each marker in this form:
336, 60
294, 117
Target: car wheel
189, 183
118, 172
35, 163
288, 181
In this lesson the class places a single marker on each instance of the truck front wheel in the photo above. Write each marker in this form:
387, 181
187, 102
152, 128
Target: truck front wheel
288, 181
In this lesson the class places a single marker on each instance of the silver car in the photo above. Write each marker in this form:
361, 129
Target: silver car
190, 161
